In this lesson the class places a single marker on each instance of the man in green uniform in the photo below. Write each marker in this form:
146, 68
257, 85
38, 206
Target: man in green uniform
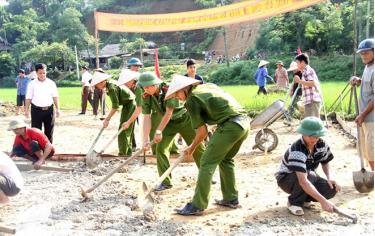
208, 104
175, 120
119, 95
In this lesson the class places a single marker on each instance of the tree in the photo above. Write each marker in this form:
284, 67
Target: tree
58, 55
24, 30
70, 28
326, 27
132, 47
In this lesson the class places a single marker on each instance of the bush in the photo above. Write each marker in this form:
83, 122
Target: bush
115, 62
335, 67
7, 65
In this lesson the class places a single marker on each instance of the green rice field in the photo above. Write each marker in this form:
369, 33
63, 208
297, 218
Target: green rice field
245, 94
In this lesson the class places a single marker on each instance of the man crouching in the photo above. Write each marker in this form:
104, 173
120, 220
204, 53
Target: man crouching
297, 175
30, 143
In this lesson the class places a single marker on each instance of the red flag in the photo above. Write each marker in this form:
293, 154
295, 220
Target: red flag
299, 51
157, 70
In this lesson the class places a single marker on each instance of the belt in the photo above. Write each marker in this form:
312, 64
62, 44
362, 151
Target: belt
242, 120
42, 108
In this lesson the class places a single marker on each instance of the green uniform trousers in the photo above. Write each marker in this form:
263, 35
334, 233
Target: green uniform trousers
125, 139
155, 121
222, 147
163, 148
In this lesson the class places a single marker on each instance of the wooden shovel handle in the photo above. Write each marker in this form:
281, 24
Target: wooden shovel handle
115, 170
7, 230
166, 173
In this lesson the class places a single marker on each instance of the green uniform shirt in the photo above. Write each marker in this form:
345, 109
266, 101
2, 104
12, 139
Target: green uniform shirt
209, 104
138, 96
157, 104
119, 95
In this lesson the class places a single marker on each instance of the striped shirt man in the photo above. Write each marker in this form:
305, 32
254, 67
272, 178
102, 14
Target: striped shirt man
298, 159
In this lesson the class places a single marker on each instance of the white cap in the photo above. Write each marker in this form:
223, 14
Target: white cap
127, 75
16, 124
293, 66
179, 82
262, 63
99, 77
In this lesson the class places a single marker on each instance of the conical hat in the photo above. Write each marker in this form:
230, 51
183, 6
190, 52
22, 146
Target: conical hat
32, 75
126, 75
293, 66
179, 82
262, 63
99, 77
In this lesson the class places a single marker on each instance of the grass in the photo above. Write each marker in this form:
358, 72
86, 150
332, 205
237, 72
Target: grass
70, 97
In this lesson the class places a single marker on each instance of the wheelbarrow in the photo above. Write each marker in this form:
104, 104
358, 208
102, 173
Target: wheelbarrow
266, 139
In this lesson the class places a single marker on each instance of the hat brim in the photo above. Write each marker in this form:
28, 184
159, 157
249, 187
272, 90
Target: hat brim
319, 133
364, 49
172, 94
263, 64
292, 69
16, 127
149, 83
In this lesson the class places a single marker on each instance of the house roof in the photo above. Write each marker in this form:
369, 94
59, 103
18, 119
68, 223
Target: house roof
111, 50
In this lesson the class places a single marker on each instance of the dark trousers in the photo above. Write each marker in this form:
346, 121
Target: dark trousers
21, 151
46, 116
99, 98
262, 89
289, 183
86, 96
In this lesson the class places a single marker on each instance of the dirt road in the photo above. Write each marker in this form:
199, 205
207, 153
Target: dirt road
50, 203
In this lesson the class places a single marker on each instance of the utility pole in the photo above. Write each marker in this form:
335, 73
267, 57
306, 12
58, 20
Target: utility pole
225, 41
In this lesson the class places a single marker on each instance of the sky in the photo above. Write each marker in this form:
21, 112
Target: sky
3, 2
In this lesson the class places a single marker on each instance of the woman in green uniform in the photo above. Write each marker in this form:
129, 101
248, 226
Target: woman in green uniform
120, 96
208, 104
175, 120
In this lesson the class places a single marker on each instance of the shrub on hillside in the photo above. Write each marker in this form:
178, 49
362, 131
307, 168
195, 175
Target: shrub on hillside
115, 62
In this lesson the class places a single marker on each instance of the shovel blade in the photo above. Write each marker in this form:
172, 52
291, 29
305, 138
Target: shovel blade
148, 201
93, 159
363, 181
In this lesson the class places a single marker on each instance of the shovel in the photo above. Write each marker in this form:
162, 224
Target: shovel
84, 193
149, 200
95, 141
93, 159
363, 179
354, 218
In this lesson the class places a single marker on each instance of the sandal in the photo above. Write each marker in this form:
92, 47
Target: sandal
308, 205
295, 210
234, 204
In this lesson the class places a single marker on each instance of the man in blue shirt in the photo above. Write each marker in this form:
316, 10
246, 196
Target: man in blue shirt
261, 76
21, 81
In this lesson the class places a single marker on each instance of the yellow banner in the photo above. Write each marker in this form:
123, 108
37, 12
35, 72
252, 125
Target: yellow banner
200, 19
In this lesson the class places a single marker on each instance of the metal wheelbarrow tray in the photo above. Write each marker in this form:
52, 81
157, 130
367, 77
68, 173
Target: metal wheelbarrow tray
266, 139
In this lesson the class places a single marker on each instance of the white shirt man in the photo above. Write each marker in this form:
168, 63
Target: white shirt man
42, 95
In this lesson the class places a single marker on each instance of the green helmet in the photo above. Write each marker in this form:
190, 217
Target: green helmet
148, 79
312, 126
134, 62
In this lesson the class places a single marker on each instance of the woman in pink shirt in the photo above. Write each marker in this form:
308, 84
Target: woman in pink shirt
281, 76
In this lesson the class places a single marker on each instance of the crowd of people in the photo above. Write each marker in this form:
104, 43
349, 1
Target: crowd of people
186, 106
